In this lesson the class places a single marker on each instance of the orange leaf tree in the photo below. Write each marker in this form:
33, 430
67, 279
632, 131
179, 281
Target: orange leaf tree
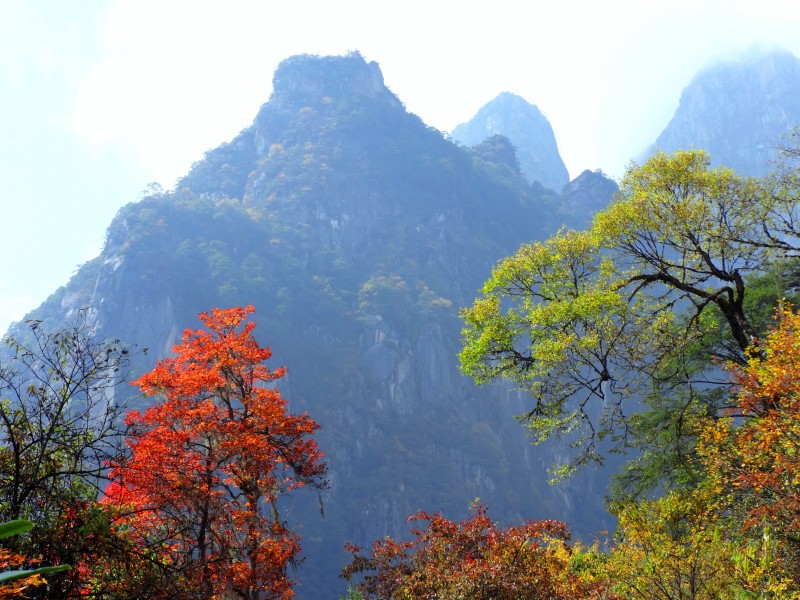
208, 463
472, 560
755, 459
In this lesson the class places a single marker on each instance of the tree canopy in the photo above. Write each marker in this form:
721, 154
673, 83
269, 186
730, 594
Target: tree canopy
59, 425
593, 322
207, 465
474, 559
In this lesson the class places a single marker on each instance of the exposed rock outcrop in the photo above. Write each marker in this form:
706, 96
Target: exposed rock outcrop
357, 232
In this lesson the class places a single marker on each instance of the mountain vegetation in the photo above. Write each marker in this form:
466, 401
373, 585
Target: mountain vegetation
587, 321
357, 232
661, 327
228, 449
58, 429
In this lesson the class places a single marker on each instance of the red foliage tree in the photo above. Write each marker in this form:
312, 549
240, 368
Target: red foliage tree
472, 560
198, 492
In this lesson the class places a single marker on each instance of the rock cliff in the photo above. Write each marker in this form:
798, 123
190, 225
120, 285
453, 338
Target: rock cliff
738, 111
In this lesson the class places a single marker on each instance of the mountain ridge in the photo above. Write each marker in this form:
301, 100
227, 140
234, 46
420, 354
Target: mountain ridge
357, 231
738, 111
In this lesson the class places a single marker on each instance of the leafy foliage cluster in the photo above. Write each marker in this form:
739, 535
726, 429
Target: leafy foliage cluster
660, 313
189, 507
58, 427
472, 560
633, 308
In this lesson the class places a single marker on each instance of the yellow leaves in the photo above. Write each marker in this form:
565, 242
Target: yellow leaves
617, 220
557, 283
753, 467
673, 547
677, 201
563, 259
565, 316
16, 588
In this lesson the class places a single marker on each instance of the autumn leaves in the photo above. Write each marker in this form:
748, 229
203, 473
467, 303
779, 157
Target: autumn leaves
197, 494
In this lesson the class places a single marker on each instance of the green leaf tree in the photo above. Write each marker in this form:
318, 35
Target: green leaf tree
592, 323
58, 427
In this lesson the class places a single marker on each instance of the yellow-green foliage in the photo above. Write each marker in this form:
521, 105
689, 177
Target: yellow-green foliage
586, 320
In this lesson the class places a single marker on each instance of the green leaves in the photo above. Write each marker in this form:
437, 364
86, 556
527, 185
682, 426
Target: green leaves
15, 527
11, 528
590, 321
9, 576
555, 318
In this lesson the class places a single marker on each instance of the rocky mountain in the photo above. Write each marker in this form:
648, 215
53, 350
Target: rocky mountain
576, 195
527, 128
738, 111
357, 232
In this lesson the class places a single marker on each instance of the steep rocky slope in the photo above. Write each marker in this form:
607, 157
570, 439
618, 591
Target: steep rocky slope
738, 111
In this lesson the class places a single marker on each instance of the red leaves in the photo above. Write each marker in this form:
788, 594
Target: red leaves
208, 463
473, 559
768, 445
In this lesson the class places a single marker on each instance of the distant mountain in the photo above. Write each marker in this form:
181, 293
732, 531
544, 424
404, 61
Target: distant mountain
578, 194
527, 128
357, 232
738, 111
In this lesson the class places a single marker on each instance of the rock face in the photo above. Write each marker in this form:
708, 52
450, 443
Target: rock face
738, 111
527, 128
585, 195
356, 231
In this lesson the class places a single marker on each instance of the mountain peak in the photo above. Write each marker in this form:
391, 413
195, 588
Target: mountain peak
738, 110
315, 78
527, 128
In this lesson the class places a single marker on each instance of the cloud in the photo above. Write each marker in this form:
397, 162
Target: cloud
177, 78
13, 307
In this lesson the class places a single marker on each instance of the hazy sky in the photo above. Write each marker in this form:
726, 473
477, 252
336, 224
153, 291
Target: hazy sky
101, 97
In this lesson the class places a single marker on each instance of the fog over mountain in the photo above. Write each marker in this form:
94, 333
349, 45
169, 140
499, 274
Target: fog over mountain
738, 111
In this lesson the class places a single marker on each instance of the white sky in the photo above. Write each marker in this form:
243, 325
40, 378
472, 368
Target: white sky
101, 97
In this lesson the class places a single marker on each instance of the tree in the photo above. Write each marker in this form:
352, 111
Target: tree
675, 548
592, 322
473, 560
737, 533
208, 462
753, 460
58, 427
